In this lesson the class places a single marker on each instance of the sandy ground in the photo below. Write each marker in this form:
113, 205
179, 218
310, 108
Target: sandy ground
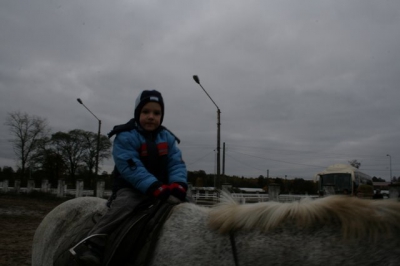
19, 218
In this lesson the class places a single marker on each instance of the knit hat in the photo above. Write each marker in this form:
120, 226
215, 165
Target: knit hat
145, 97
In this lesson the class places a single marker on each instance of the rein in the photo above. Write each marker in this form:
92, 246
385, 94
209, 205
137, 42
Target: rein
233, 244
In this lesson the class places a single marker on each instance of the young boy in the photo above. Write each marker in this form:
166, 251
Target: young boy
148, 163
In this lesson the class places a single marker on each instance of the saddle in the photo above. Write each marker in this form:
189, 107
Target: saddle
134, 241
131, 244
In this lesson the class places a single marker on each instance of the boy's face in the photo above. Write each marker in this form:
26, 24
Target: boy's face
150, 116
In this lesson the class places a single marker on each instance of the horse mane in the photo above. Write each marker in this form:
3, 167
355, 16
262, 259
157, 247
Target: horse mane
356, 216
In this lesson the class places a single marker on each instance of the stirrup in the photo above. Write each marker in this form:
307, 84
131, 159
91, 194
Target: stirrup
72, 250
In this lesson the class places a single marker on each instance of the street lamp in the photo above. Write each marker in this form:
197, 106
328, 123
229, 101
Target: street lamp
390, 167
197, 80
98, 136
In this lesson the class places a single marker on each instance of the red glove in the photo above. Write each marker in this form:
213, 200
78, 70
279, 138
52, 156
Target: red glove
178, 190
162, 192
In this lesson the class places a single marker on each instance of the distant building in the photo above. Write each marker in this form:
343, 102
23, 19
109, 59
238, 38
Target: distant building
381, 185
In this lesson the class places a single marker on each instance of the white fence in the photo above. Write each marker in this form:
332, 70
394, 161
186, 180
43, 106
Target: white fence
207, 198
61, 190
212, 198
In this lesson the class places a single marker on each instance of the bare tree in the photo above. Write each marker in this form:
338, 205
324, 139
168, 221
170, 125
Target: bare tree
27, 131
355, 163
71, 147
90, 143
78, 148
48, 162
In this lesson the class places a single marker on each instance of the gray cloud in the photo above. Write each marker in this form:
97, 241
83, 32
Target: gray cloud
301, 85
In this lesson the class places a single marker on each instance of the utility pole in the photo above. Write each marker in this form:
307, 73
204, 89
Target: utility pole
390, 167
223, 162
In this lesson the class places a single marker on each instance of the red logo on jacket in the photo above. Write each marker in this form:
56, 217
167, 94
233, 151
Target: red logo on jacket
162, 148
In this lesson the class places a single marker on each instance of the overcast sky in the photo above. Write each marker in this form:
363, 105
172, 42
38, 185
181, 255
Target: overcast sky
301, 85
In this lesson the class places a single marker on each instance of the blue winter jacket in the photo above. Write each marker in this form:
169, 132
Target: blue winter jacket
128, 148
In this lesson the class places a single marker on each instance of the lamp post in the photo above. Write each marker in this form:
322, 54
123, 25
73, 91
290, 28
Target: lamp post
215, 160
98, 137
390, 167
197, 80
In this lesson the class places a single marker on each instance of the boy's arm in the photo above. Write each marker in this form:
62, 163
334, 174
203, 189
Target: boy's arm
177, 171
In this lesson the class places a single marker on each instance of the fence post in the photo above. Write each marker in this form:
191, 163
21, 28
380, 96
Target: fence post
5, 185
100, 189
45, 186
30, 186
17, 185
273, 192
60, 188
394, 191
227, 187
189, 193
79, 188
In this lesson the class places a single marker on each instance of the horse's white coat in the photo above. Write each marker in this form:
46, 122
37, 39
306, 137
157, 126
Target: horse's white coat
298, 235
59, 224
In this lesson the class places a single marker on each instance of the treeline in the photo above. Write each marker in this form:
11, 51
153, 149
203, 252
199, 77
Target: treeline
294, 186
196, 178
72, 155
52, 156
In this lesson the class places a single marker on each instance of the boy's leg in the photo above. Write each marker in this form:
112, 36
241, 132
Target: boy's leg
122, 206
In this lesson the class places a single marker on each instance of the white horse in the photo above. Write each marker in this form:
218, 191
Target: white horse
336, 230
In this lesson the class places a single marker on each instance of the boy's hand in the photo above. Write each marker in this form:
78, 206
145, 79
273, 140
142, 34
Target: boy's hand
178, 191
162, 192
